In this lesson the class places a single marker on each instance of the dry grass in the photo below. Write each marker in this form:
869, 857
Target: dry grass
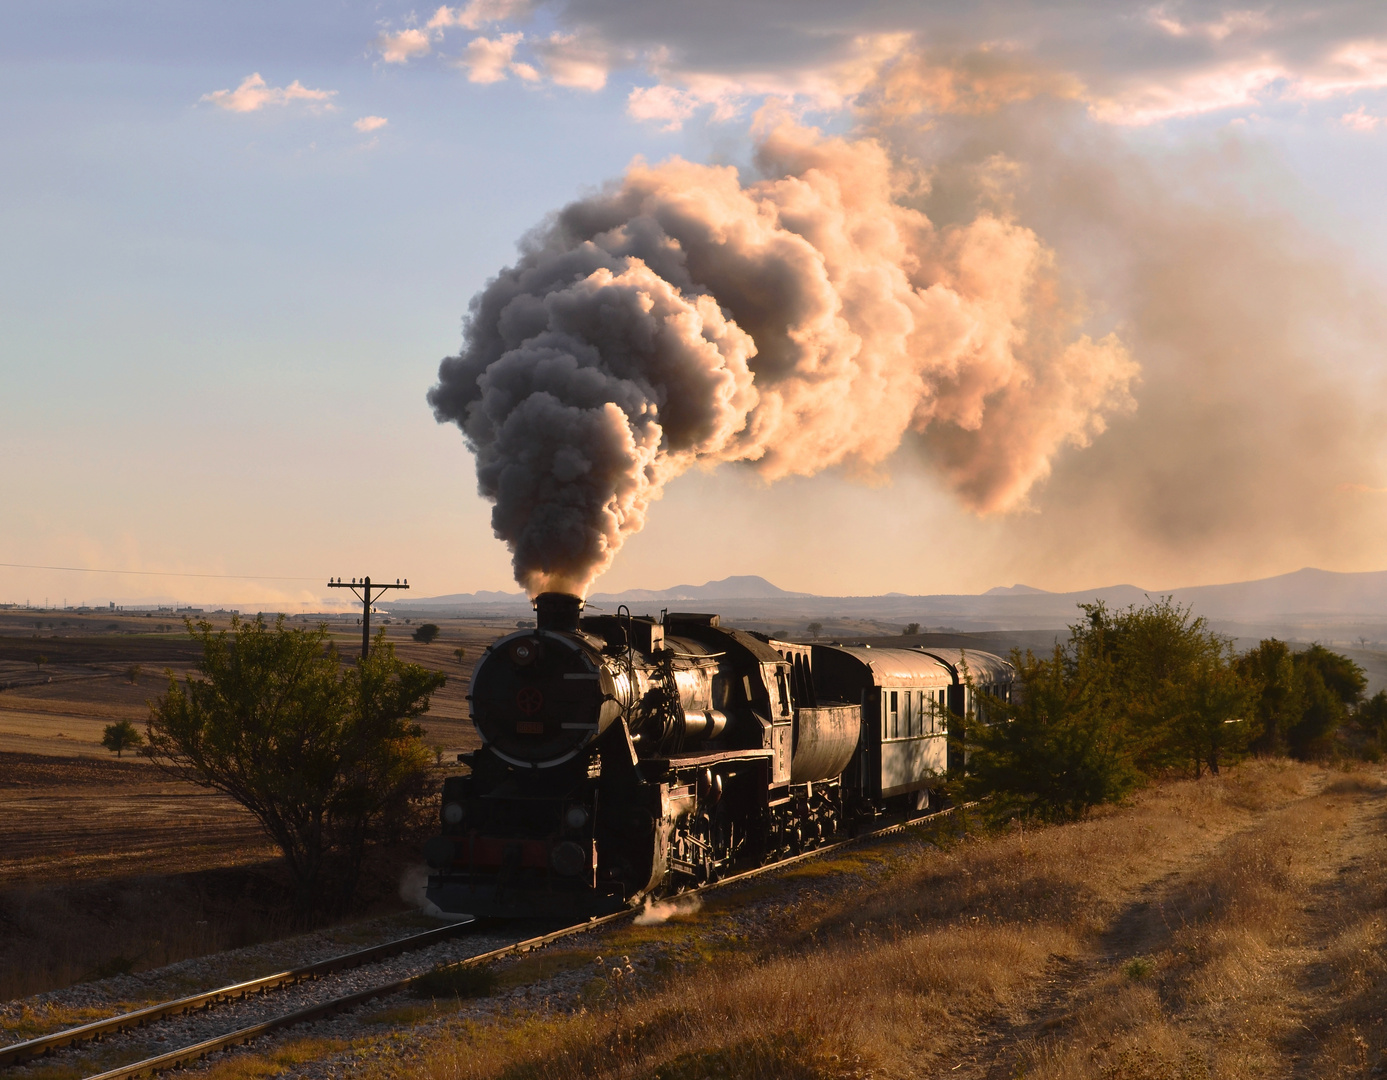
57, 935
272, 1063
1204, 931
1269, 960
109, 865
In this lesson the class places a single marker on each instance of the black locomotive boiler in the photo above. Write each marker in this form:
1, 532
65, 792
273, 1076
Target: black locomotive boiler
626, 757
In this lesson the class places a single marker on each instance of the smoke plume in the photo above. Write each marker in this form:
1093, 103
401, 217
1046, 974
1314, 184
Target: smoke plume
807, 318
1257, 446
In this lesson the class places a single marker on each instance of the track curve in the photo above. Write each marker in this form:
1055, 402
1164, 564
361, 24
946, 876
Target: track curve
19, 1052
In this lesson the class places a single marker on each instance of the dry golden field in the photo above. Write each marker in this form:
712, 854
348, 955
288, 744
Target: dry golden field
106, 861
1231, 927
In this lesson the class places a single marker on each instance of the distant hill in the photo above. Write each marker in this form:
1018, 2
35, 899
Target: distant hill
742, 587
1300, 597
462, 599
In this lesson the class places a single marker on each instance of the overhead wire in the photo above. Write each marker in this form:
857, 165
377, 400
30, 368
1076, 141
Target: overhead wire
158, 573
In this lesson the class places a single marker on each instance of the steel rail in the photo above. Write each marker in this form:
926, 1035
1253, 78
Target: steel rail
16, 1053
175, 1058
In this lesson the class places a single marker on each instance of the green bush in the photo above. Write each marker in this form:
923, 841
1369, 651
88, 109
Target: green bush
1134, 693
1055, 752
1144, 691
327, 756
121, 736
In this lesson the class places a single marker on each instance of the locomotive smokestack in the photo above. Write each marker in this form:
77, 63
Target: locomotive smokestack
557, 611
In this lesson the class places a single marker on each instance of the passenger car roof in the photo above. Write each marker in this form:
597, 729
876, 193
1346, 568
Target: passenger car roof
898, 666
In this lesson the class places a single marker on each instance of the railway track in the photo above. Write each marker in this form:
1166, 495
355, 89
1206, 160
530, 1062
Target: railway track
20, 1052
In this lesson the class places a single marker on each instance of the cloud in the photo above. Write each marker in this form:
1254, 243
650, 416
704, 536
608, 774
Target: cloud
1226, 25
577, 61
1356, 66
489, 61
403, 46
667, 106
1131, 67
724, 97
368, 124
1361, 120
478, 13
973, 83
1231, 87
253, 95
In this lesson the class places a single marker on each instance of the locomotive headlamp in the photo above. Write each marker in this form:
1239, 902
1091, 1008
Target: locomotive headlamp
577, 817
568, 858
452, 813
523, 652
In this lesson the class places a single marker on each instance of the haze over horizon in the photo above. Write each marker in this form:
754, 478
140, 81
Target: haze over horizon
241, 239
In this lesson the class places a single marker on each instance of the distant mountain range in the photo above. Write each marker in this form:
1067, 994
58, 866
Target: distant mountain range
741, 587
1307, 594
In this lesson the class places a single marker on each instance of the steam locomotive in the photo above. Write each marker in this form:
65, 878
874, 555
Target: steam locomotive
626, 757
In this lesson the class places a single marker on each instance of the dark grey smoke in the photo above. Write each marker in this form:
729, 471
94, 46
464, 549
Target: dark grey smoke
803, 321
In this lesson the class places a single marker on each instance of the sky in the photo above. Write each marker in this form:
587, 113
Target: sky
239, 240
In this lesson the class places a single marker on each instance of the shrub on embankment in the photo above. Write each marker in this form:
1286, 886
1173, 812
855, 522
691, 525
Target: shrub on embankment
1151, 691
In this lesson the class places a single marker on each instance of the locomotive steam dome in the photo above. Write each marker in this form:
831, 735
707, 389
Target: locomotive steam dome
540, 696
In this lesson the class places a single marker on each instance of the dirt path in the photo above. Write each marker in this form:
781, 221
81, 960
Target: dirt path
1254, 952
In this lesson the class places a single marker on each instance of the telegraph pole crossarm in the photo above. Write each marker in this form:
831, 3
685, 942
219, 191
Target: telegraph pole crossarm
367, 587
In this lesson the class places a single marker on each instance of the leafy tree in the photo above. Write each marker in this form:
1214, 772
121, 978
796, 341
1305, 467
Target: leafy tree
1056, 752
121, 736
460, 653
1135, 693
1278, 698
912, 628
815, 629
1152, 653
1371, 720
1302, 698
1330, 685
426, 633
1373, 713
39, 661
327, 758
1342, 676
132, 673
1212, 720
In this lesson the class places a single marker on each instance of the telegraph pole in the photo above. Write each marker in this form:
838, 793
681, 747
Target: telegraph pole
364, 595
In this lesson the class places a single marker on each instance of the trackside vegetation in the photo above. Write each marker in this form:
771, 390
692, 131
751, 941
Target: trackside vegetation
1151, 691
327, 756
